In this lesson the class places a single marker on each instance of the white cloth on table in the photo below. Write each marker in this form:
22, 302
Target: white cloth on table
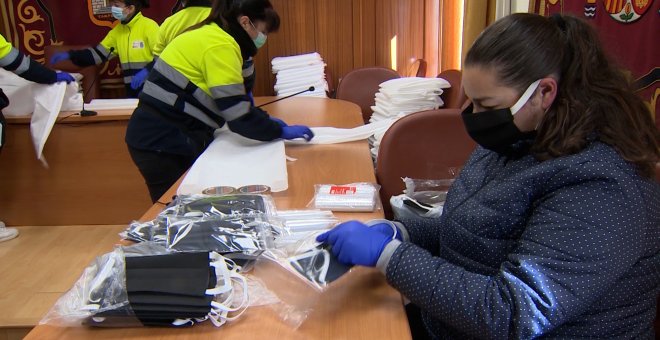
233, 160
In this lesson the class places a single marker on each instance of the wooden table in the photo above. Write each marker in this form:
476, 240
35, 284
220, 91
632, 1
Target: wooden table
90, 180
358, 306
42, 263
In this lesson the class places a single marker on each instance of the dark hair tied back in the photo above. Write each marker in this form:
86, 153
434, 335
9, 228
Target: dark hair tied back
595, 98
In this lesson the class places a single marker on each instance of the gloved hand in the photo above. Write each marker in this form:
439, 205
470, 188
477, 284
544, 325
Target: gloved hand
251, 97
63, 76
139, 78
278, 121
355, 243
59, 56
386, 229
297, 131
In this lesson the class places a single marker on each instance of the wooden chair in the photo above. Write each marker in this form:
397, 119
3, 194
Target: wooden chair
454, 97
422, 145
361, 85
91, 87
417, 69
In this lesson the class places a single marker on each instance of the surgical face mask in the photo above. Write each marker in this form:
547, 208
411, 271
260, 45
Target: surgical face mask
494, 129
118, 13
260, 40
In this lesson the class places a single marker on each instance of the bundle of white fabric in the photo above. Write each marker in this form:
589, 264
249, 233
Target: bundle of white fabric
297, 73
402, 96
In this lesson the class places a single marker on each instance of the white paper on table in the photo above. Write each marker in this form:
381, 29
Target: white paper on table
47, 103
112, 104
330, 135
233, 160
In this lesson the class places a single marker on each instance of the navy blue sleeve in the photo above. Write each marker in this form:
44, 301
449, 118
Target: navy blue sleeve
562, 264
257, 125
29, 69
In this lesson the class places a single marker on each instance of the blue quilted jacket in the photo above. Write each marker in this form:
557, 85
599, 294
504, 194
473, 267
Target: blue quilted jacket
565, 248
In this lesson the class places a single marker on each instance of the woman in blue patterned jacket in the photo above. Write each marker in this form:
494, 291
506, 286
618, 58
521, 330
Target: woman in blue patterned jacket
552, 229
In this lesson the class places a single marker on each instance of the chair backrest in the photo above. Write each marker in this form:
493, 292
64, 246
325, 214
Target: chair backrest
331, 84
91, 87
422, 145
417, 69
454, 97
360, 86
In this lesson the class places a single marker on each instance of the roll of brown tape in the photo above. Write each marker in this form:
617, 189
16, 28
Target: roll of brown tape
221, 190
255, 189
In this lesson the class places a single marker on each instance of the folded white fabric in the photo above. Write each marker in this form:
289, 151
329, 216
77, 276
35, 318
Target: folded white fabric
402, 96
331, 135
297, 73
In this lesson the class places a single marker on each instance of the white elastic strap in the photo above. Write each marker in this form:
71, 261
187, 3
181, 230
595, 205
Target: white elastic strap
227, 271
222, 272
100, 277
525, 97
182, 322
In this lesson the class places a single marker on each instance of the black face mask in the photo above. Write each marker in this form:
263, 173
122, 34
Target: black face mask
494, 129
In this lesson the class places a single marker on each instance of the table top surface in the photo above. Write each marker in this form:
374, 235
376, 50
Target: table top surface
358, 305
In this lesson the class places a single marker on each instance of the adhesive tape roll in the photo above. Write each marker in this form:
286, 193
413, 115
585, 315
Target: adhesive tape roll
254, 189
221, 190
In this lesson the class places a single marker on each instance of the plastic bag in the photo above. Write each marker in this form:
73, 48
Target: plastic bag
422, 198
357, 197
298, 275
224, 205
242, 239
141, 285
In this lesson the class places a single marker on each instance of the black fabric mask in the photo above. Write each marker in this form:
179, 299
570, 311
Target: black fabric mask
494, 130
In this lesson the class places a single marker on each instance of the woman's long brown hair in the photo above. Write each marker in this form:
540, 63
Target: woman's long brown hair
595, 98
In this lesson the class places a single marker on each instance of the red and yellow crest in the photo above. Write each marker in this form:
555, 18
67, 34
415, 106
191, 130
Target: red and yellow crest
627, 10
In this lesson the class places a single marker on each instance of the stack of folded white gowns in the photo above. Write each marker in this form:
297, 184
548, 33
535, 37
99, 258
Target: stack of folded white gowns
402, 96
298, 73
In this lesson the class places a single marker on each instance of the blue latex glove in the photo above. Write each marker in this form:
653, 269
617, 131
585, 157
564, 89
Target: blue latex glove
63, 76
386, 229
297, 131
139, 78
355, 243
278, 121
249, 94
59, 56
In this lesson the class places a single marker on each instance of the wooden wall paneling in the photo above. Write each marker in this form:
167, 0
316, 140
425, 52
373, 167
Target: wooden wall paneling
334, 35
364, 33
432, 37
410, 32
386, 30
450, 47
296, 36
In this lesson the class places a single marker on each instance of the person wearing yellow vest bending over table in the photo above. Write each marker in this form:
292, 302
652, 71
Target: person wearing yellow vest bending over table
194, 88
192, 13
13, 60
132, 41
